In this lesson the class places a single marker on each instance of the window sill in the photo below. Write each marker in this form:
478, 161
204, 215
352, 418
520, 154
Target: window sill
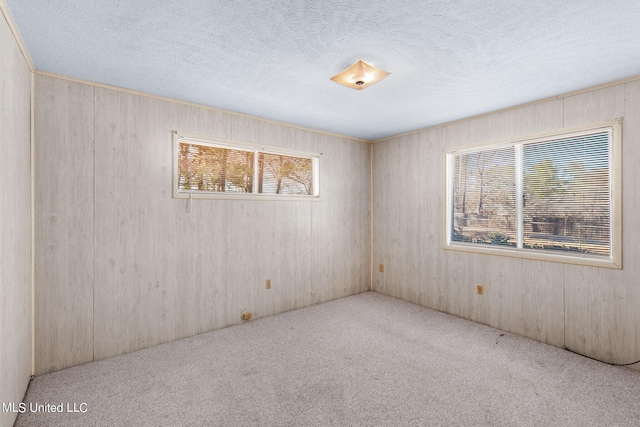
538, 255
244, 196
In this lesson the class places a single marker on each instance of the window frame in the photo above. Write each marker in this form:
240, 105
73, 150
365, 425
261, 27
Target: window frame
613, 260
179, 137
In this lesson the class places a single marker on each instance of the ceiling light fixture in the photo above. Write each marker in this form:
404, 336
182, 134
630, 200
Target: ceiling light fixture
360, 75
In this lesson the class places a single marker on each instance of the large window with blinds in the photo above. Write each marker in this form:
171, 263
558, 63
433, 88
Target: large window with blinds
220, 168
555, 197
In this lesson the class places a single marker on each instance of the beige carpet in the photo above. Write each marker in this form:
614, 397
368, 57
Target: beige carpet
365, 360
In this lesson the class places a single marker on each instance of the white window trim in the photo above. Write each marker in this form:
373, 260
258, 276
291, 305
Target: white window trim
227, 143
614, 260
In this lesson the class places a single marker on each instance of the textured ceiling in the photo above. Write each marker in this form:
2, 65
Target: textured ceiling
273, 59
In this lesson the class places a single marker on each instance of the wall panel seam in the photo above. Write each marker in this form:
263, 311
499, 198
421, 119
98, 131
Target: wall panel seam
33, 225
564, 308
371, 217
93, 235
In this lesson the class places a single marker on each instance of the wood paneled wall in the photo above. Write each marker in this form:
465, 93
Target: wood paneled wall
593, 311
121, 265
15, 222
64, 217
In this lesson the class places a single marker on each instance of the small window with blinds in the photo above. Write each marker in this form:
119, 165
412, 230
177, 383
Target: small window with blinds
555, 198
221, 169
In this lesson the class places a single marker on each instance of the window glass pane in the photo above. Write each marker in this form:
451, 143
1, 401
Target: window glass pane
280, 174
566, 194
215, 169
484, 208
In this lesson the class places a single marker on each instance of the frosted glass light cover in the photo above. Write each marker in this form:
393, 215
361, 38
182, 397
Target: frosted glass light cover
360, 75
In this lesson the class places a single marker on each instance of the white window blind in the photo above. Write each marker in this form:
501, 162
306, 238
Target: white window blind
484, 205
567, 194
281, 174
210, 167
551, 195
214, 169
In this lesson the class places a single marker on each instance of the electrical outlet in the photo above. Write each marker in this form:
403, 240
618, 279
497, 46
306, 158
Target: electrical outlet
480, 290
267, 283
381, 268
